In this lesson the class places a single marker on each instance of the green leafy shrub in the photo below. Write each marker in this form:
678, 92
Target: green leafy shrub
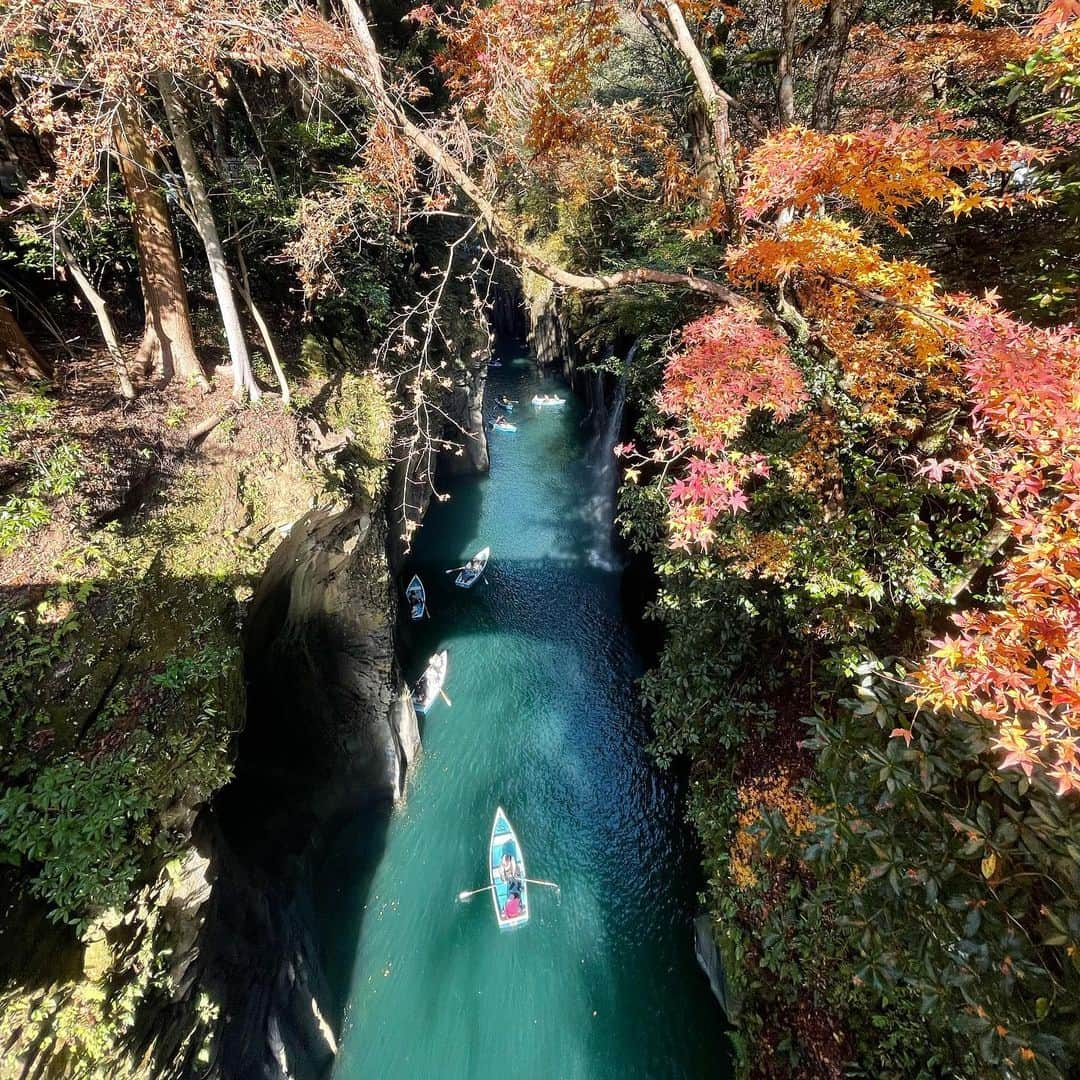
78, 822
18, 518
22, 412
937, 900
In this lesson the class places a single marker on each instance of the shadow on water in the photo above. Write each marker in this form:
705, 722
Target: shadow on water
341, 883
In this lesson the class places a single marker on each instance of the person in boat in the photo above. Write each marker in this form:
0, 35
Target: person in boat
417, 608
511, 875
508, 868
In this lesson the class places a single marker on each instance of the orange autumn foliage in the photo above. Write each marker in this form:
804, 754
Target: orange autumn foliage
526, 69
1018, 664
887, 350
815, 465
527, 65
749, 554
906, 70
882, 171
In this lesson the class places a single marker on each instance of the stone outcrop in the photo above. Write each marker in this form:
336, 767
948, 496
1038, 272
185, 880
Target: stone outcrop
319, 657
710, 960
466, 410
330, 730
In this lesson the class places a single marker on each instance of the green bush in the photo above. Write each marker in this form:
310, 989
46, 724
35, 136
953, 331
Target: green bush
78, 823
954, 883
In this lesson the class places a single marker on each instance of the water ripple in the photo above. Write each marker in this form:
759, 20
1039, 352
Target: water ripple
543, 721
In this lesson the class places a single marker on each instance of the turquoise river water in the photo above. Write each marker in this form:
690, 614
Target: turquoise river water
602, 981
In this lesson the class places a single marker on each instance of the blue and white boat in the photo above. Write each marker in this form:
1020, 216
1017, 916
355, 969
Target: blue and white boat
473, 570
509, 888
416, 595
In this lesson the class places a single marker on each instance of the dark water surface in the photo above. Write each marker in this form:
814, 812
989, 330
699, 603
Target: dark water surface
543, 721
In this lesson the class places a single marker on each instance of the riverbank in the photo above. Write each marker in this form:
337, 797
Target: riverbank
136, 927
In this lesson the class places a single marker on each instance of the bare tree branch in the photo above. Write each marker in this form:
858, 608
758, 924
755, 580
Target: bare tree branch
374, 84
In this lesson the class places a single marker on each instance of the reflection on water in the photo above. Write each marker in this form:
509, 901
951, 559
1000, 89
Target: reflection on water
543, 722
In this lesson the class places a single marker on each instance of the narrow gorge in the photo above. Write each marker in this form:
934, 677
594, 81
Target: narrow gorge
631, 439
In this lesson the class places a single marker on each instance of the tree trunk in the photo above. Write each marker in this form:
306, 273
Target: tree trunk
101, 312
159, 259
17, 356
716, 109
243, 283
785, 93
264, 329
244, 384
702, 154
839, 16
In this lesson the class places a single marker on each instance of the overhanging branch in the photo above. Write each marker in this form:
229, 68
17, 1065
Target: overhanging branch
374, 85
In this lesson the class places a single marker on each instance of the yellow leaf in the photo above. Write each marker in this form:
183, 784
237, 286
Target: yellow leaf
989, 865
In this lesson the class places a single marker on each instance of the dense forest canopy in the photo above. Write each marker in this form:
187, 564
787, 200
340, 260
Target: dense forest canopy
843, 235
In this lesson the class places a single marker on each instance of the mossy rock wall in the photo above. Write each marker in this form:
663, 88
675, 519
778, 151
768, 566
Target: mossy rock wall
123, 691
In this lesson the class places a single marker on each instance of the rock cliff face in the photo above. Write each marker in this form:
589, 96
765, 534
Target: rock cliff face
330, 729
324, 698
466, 410
240, 621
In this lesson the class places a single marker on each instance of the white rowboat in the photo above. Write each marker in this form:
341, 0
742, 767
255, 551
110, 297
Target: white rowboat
506, 863
473, 570
416, 595
430, 684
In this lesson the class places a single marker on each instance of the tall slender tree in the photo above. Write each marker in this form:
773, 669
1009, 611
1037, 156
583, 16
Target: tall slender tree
244, 382
168, 337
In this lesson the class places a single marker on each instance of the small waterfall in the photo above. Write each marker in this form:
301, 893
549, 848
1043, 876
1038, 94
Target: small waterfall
605, 468
597, 415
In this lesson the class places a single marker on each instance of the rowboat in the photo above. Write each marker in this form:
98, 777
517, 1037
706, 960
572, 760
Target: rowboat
473, 569
506, 863
430, 684
540, 400
417, 598
504, 425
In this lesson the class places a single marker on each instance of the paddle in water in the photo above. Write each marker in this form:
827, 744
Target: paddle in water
487, 888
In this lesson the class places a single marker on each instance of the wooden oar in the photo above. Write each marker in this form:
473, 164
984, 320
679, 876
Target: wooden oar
487, 888
469, 893
549, 884
455, 569
443, 695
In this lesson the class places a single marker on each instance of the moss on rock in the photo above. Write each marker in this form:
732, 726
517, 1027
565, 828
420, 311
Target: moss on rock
121, 694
